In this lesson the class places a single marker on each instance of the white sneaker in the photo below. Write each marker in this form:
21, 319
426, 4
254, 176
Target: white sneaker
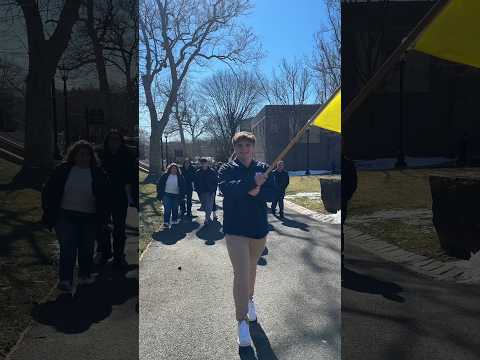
252, 313
244, 338
86, 280
166, 225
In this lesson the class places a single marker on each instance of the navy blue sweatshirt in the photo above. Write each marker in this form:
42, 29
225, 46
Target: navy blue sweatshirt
243, 214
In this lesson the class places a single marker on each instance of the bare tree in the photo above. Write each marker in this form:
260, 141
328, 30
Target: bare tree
230, 99
195, 122
326, 58
291, 85
43, 58
179, 33
11, 77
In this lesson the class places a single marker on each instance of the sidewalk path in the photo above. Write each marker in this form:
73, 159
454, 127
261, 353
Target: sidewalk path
100, 322
186, 302
390, 312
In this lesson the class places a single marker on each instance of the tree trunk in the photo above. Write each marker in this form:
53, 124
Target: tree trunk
38, 125
155, 151
100, 65
156, 131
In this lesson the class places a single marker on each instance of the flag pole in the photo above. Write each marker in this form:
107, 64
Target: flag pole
297, 137
392, 60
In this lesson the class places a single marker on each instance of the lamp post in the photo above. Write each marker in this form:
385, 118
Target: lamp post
56, 150
166, 150
161, 154
64, 71
401, 152
307, 172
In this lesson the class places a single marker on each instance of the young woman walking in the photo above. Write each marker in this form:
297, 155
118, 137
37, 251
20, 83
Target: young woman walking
245, 223
75, 203
170, 190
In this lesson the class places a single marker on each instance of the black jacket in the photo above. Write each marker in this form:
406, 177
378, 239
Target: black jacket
206, 181
243, 214
163, 181
189, 176
121, 169
281, 180
52, 194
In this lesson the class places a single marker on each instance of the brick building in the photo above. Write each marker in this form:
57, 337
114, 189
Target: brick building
275, 125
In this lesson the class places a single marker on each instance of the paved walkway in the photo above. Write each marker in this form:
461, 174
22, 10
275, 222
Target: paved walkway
390, 312
186, 303
100, 322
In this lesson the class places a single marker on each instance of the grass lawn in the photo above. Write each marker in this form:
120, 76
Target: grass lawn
150, 212
397, 190
27, 255
306, 184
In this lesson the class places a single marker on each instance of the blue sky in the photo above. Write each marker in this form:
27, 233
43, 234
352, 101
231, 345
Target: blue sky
285, 29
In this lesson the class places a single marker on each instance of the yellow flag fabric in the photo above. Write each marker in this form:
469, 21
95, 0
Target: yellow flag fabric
454, 34
330, 117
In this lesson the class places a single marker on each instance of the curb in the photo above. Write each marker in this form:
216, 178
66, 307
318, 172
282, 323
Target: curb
417, 263
329, 219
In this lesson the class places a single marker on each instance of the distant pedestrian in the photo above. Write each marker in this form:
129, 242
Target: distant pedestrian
282, 180
170, 189
121, 167
206, 183
246, 190
188, 172
74, 202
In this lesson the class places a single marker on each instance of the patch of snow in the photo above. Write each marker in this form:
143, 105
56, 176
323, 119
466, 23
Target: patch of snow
471, 267
312, 195
312, 172
389, 163
407, 216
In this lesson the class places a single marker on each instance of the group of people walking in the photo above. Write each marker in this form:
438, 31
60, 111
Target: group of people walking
86, 201
175, 189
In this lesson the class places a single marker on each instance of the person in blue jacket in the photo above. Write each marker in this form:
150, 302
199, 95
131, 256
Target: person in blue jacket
246, 190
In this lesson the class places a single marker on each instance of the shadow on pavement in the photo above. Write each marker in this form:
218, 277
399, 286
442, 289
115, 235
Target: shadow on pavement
211, 233
175, 233
367, 284
261, 342
90, 304
294, 224
246, 353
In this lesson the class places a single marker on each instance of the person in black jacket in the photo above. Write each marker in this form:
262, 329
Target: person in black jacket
75, 203
206, 183
188, 173
120, 165
246, 190
281, 181
170, 190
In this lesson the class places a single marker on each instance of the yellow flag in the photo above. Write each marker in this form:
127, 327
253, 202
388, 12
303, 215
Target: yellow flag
454, 34
329, 118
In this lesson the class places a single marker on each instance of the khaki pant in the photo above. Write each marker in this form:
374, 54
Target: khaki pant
244, 253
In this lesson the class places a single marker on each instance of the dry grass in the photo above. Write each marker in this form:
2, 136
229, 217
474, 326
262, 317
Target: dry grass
300, 184
150, 213
306, 184
27, 254
403, 190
